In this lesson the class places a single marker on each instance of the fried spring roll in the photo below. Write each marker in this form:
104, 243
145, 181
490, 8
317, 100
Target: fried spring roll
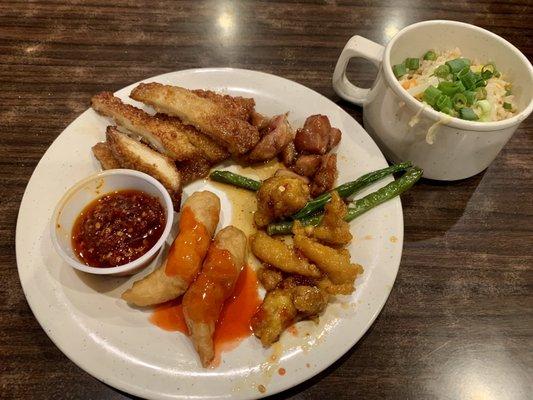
204, 300
237, 135
167, 138
199, 219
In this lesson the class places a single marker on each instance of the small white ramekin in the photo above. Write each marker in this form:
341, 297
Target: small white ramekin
92, 187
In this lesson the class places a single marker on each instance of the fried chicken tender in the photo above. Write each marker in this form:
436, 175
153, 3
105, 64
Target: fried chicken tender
237, 135
239, 107
334, 263
275, 315
193, 170
211, 150
134, 155
333, 229
276, 253
105, 156
167, 138
279, 197
203, 301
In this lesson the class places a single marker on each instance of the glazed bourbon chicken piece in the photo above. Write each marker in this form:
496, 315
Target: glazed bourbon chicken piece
325, 176
317, 136
278, 134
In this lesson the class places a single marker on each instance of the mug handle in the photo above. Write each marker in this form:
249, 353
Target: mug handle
361, 47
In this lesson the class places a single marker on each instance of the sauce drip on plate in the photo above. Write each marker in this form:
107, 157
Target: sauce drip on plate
117, 228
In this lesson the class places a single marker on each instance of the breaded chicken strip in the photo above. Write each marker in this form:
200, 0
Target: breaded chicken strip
211, 150
198, 221
105, 156
276, 253
236, 135
239, 107
134, 155
203, 301
193, 170
169, 139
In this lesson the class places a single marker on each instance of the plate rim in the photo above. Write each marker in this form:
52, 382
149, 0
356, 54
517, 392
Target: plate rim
123, 385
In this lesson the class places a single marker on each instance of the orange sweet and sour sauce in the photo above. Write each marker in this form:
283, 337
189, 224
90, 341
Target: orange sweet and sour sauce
233, 323
188, 250
205, 297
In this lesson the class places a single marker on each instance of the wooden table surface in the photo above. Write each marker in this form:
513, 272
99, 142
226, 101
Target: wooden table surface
459, 321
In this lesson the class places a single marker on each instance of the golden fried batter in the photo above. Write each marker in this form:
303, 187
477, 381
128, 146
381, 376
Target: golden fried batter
275, 315
236, 135
239, 107
276, 253
279, 197
103, 153
269, 278
335, 263
309, 300
193, 170
211, 150
333, 229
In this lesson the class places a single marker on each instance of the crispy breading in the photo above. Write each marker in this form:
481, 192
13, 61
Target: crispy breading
334, 263
269, 277
169, 139
333, 229
103, 154
277, 254
309, 300
279, 197
239, 107
135, 155
343, 288
211, 150
236, 135
275, 315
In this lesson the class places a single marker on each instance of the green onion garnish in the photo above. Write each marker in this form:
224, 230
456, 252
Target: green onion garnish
468, 114
507, 106
450, 88
431, 94
442, 71
412, 63
430, 55
458, 64
470, 97
459, 101
481, 93
487, 71
469, 80
443, 102
399, 70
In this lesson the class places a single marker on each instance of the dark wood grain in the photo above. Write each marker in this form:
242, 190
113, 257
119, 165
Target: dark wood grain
459, 321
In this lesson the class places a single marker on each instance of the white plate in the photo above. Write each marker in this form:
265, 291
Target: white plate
86, 319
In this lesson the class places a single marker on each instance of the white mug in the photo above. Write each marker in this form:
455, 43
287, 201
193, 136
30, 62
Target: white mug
446, 148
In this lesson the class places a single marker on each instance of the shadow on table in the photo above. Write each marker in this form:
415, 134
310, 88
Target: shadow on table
431, 208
